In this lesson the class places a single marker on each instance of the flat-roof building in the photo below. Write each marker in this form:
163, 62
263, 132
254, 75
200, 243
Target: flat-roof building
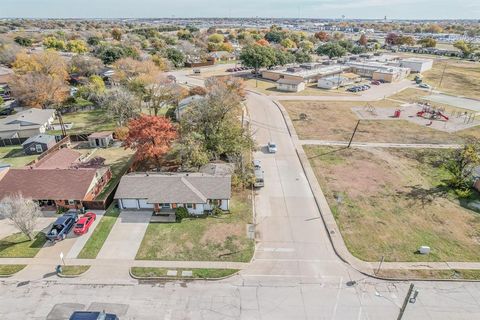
417, 64
305, 72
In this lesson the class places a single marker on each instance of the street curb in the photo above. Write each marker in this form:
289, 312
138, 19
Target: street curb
291, 129
179, 278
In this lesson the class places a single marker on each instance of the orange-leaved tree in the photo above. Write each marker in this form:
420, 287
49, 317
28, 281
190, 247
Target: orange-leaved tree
151, 137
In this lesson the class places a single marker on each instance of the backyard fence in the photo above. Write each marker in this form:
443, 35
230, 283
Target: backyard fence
12, 141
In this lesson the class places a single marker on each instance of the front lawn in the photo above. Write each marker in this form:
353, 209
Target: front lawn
18, 246
466, 274
14, 156
100, 234
389, 202
152, 272
10, 269
210, 238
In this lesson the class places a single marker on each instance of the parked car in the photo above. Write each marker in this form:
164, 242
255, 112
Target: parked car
93, 315
272, 147
424, 86
62, 226
84, 223
375, 82
257, 164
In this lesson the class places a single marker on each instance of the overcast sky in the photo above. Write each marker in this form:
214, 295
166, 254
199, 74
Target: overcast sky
393, 9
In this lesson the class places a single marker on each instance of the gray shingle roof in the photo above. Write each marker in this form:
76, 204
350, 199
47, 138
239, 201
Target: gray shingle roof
174, 188
27, 119
40, 138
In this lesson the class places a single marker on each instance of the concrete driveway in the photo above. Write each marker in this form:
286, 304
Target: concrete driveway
7, 228
126, 235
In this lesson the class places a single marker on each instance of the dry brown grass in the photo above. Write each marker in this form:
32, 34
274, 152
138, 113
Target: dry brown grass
461, 78
430, 274
335, 121
389, 202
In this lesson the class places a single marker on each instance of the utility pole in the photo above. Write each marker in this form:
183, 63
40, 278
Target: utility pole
256, 74
405, 302
443, 73
354, 131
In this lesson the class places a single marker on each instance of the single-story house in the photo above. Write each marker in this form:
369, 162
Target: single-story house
184, 104
61, 179
164, 192
290, 85
100, 139
38, 144
26, 123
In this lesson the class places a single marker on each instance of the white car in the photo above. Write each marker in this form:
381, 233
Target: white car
272, 147
424, 86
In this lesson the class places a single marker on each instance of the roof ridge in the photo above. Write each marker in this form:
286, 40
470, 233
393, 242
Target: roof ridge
191, 187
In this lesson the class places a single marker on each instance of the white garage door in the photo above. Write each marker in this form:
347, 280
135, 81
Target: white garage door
130, 203
144, 205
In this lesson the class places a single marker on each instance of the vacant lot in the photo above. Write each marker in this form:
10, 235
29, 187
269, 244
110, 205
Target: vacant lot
119, 160
390, 202
220, 238
460, 78
14, 156
335, 121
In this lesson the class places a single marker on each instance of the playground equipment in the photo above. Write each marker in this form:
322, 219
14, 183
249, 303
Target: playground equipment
371, 109
432, 113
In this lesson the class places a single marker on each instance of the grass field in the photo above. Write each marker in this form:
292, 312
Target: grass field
10, 269
335, 121
390, 202
430, 274
18, 246
460, 78
14, 156
100, 234
149, 272
119, 160
88, 121
220, 238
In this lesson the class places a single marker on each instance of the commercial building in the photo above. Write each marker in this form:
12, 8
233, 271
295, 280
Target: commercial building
379, 71
417, 64
290, 85
308, 72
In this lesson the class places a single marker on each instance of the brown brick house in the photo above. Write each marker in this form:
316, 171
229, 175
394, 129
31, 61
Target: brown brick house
61, 179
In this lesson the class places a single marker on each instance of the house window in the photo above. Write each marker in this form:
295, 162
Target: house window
189, 205
214, 202
165, 205
39, 148
71, 202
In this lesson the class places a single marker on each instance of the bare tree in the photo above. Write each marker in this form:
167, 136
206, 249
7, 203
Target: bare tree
120, 105
22, 212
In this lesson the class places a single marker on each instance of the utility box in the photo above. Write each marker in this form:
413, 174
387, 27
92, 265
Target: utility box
424, 250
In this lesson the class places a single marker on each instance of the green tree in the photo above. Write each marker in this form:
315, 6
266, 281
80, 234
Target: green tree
332, 50
283, 57
302, 57
117, 34
275, 36
427, 42
461, 164
257, 56
175, 56
306, 46
94, 40
77, 46
467, 48
216, 38
24, 42
54, 43
288, 44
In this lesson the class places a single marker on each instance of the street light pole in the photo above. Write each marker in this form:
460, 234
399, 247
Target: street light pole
256, 74
405, 302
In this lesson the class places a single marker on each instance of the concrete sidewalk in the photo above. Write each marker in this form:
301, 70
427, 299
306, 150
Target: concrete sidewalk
380, 144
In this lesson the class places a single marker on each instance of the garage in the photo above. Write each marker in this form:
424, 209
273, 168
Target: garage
129, 203
144, 205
